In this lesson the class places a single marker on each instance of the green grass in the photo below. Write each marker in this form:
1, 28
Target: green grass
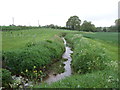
18, 39
110, 37
99, 79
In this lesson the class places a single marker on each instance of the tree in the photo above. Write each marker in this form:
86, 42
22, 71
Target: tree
87, 26
117, 24
104, 29
98, 29
112, 29
73, 23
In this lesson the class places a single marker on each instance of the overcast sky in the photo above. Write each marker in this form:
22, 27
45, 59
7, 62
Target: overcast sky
28, 12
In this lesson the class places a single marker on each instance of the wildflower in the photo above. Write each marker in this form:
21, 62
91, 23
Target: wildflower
44, 67
34, 66
78, 86
35, 71
40, 71
26, 70
109, 80
117, 80
38, 74
89, 68
21, 72
110, 77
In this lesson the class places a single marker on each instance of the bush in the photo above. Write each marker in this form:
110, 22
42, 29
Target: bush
6, 77
37, 54
88, 56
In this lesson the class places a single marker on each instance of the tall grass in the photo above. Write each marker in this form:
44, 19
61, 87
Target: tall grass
31, 49
98, 79
88, 55
94, 64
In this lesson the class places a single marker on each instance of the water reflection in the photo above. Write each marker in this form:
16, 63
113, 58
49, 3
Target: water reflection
68, 71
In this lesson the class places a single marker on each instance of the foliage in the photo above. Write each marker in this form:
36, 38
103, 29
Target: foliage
107, 78
88, 56
73, 23
112, 29
6, 77
18, 39
29, 48
14, 28
99, 79
117, 23
39, 55
87, 26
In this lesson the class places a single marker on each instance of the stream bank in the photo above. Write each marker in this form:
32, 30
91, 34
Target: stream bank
67, 66
62, 66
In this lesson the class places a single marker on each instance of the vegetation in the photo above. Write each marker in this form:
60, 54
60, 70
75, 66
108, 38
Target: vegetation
73, 23
87, 57
39, 55
101, 73
6, 77
20, 39
117, 23
104, 79
112, 37
31, 55
87, 26
13, 27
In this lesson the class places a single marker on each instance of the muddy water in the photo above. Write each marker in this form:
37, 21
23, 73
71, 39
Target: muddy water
68, 71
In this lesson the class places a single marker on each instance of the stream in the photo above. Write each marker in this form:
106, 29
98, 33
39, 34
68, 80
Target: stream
51, 77
67, 67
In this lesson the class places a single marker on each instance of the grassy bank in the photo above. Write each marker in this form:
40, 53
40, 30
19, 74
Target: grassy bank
30, 52
94, 62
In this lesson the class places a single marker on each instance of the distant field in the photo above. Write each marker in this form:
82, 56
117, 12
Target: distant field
110, 37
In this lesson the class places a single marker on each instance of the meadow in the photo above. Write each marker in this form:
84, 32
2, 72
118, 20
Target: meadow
30, 52
109, 37
18, 39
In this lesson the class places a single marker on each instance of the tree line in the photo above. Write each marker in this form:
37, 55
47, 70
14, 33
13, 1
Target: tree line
73, 23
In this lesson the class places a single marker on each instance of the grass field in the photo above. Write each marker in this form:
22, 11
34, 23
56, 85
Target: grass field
29, 52
110, 37
18, 39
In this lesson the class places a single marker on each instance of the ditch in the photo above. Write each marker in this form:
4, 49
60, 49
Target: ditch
67, 66
59, 70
